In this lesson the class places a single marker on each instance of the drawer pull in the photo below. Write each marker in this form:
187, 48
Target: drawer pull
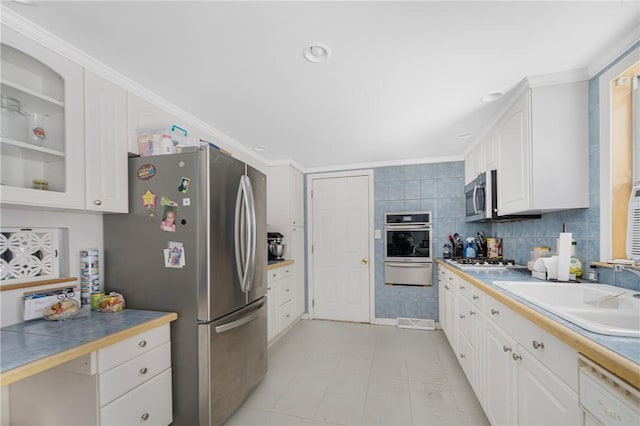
142, 343
462, 356
461, 316
97, 202
143, 370
268, 288
287, 290
287, 316
494, 312
476, 297
506, 348
537, 345
446, 287
145, 417
516, 357
450, 278
461, 287
471, 313
287, 271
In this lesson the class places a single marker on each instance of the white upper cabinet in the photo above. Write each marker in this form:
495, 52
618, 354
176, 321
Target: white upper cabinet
543, 150
285, 201
42, 125
297, 201
474, 163
106, 145
514, 145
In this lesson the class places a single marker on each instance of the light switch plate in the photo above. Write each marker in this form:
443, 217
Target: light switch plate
377, 234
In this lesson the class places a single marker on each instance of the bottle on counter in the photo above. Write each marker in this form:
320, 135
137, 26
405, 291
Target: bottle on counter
470, 248
593, 273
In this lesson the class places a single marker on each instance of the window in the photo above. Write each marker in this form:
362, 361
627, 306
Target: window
617, 142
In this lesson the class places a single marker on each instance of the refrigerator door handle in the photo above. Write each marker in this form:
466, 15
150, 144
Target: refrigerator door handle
252, 234
240, 232
253, 314
235, 324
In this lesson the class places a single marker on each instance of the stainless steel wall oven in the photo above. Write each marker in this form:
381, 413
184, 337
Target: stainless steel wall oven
407, 242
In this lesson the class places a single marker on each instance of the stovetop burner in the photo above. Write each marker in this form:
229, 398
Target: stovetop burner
484, 261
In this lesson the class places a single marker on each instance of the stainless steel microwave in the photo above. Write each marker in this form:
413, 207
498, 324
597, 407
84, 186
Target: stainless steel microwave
477, 209
481, 200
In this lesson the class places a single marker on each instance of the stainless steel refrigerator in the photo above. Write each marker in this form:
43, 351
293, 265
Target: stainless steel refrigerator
194, 242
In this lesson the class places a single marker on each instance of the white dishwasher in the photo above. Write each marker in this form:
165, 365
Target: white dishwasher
606, 399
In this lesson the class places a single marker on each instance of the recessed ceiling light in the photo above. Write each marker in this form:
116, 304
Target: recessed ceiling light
316, 52
259, 148
490, 97
465, 135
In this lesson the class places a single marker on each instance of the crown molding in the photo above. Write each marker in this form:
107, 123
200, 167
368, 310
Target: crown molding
374, 164
613, 52
38, 34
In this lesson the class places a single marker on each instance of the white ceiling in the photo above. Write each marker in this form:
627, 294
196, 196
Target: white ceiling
403, 80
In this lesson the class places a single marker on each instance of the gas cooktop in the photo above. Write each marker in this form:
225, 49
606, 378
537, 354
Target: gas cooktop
482, 262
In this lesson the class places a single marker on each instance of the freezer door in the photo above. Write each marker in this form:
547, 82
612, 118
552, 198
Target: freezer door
258, 286
232, 361
224, 294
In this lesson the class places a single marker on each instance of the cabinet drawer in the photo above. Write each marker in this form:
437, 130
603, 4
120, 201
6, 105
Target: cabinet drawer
502, 316
130, 348
148, 404
286, 271
285, 316
604, 405
556, 355
273, 274
285, 291
123, 378
464, 288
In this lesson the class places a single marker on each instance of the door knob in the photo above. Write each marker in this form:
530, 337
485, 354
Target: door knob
364, 261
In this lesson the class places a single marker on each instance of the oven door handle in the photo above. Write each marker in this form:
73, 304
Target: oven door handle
389, 227
409, 264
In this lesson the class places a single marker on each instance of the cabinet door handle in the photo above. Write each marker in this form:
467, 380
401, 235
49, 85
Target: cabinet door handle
461, 287
446, 287
461, 316
471, 313
142, 343
143, 370
494, 312
506, 348
268, 288
516, 357
537, 345
463, 356
97, 202
145, 417
476, 297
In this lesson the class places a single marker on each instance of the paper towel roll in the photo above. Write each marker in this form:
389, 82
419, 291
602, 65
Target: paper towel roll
564, 255
551, 265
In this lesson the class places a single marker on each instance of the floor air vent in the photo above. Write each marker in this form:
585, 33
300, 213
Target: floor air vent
417, 323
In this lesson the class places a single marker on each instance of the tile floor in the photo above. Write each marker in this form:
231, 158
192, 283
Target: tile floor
324, 372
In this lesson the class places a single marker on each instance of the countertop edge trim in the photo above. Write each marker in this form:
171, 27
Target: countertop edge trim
24, 371
280, 264
617, 364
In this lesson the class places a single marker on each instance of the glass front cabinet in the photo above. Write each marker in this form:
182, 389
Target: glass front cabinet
42, 131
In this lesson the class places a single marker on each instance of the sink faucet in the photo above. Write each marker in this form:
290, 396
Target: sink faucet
623, 268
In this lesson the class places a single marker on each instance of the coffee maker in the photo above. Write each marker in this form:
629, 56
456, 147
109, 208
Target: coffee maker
276, 247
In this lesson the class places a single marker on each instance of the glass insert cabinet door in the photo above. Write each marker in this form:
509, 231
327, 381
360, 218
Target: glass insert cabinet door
42, 129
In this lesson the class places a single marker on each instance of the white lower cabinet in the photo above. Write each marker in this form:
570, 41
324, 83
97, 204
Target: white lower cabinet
500, 376
127, 383
521, 374
281, 300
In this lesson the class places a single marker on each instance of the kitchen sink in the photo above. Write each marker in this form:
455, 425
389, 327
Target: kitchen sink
601, 308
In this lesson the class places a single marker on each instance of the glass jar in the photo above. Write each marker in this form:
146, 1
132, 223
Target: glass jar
36, 134
14, 118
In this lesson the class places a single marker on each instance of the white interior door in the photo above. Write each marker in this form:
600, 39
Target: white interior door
341, 248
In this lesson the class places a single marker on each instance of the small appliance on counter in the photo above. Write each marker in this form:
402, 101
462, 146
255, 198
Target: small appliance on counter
276, 246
